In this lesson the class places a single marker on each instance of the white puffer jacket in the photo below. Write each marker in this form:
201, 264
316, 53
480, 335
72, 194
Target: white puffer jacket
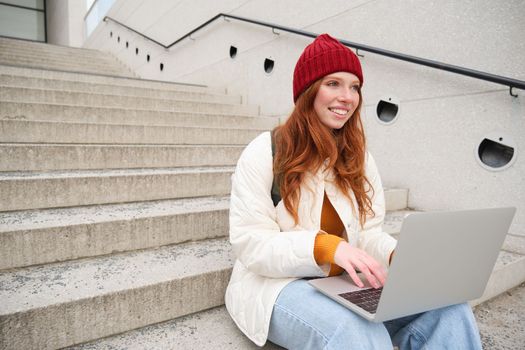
271, 250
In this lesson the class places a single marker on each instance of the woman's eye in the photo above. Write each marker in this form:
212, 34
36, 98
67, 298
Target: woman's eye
332, 83
355, 87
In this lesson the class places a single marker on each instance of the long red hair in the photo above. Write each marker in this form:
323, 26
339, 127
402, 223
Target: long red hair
303, 143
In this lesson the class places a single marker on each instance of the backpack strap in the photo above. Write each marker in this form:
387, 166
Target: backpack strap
276, 189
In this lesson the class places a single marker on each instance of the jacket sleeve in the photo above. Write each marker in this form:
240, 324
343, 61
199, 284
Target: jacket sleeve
255, 234
372, 239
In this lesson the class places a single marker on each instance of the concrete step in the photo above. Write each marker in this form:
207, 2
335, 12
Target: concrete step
51, 235
99, 57
115, 115
32, 157
210, 329
27, 190
110, 69
82, 54
501, 322
36, 47
53, 54
58, 305
98, 79
78, 60
13, 94
8, 50
21, 131
175, 333
55, 84
79, 70
396, 198
508, 272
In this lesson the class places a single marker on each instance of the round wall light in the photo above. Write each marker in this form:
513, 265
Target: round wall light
387, 110
496, 151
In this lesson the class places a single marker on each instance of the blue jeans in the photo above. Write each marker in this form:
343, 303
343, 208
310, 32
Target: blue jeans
303, 318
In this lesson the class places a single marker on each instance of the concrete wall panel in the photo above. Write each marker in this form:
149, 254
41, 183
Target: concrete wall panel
431, 150
443, 116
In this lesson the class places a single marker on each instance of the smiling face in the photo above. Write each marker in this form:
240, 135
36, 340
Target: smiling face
337, 99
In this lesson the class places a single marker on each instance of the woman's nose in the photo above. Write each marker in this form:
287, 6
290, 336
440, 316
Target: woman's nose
346, 94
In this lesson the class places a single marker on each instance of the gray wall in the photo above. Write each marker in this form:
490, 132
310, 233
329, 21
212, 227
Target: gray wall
431, 147
65, 22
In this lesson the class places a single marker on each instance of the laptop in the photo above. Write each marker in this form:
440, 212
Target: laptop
441, 258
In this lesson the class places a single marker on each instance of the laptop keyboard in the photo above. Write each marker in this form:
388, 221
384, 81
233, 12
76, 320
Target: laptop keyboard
366, 299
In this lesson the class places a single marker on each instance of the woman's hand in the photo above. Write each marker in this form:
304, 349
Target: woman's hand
351, 258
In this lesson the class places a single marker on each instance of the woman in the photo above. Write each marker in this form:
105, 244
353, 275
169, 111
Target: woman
327, 221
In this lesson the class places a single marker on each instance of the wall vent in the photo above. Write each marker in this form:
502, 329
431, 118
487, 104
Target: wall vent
233, 51
268, 65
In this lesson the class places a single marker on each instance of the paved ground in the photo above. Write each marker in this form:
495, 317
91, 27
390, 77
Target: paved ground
501, 320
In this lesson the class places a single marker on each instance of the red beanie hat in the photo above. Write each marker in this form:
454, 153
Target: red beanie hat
325, 55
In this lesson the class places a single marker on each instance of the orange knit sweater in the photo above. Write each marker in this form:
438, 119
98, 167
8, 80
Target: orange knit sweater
326, 244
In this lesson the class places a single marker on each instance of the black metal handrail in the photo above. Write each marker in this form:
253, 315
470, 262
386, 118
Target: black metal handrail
498, 79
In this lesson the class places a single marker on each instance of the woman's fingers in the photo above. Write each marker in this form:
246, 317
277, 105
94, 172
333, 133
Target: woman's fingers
351, 258
370, 276
353, 275
375, 269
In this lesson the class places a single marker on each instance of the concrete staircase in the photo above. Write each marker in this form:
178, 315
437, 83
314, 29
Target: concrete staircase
44, 56
114, 203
